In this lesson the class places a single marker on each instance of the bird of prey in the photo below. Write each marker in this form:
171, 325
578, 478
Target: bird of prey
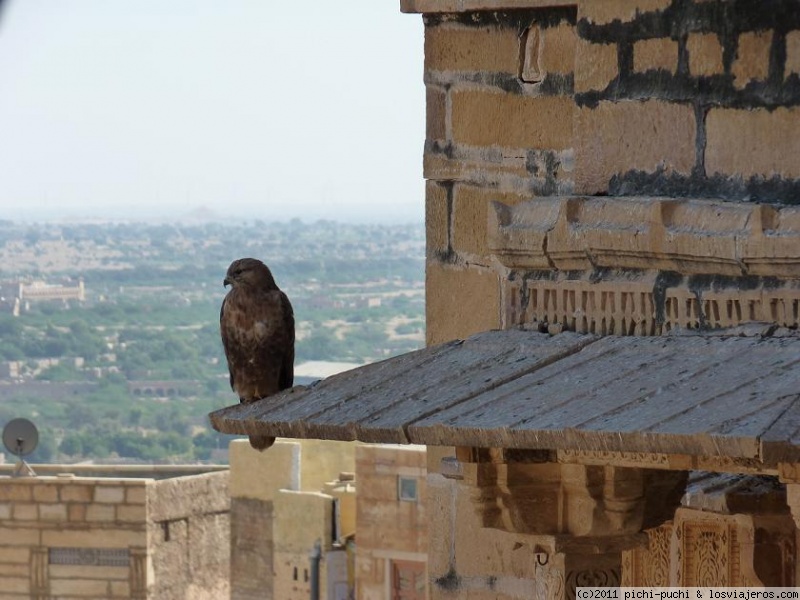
256, 322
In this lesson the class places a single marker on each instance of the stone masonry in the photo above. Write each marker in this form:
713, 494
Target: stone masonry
103, 538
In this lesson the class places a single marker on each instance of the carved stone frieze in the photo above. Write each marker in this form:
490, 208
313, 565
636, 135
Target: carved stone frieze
641, 304
681, 235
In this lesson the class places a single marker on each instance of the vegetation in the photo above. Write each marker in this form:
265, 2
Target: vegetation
150, 315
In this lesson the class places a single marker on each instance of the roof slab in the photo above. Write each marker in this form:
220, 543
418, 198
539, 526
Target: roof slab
702, 395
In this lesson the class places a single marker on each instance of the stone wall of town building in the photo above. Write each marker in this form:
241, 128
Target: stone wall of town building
102, 538
616, 111
391, 522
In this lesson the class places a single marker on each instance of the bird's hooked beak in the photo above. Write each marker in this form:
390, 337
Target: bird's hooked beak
226, 282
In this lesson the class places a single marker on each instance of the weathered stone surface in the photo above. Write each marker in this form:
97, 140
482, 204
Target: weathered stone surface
595, 65
558, 44
460, 301
459, 48
470, 205
182, 497
705, 54
655, 53
607, 11
492, 119
618, 137
752, 57
753, 142
436, 113
437, 220
252, 547
792, 53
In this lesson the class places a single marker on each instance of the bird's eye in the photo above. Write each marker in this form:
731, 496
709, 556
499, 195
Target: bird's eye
238, 272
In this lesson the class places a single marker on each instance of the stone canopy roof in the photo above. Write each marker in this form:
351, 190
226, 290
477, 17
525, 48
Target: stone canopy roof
705, 395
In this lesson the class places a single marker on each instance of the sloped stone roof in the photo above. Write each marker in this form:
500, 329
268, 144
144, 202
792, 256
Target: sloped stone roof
706, 395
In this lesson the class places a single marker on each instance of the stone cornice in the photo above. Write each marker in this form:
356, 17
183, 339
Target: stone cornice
684, 235
456, 6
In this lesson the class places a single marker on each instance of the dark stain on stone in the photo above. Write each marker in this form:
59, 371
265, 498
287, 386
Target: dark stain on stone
757, 189
449, 582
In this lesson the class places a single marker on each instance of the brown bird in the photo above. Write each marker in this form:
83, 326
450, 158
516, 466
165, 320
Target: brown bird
256, 322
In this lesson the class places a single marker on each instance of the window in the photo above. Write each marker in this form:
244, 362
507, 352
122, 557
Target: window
407, 488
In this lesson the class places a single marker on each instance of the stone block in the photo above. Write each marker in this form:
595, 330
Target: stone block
135, 495
497, 119
109, 494
753, 142
435, 113
14, 555
617, 137
595, 65
470, 210
19, 536
15, 492
656, 53
752, 57
100, 513
792, 53
45, 493
79, 588
120, 589
111, 538
455, 48
25, 512
437, 219
77, 493
557, 53
460, 301
705, 54
76, 512
606, 11
5, 511
131, 513
53, 512
15, 585
14, 570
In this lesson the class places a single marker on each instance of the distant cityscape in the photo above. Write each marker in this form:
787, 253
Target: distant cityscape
105, 328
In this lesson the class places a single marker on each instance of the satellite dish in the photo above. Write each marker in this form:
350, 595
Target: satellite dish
20, 437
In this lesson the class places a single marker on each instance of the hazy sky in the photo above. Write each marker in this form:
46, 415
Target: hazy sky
255, 108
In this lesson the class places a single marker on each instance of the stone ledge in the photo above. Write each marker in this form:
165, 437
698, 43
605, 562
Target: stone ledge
685, 235
455, 6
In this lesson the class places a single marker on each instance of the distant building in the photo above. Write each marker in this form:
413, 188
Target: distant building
103, 538
301, 518
40, 290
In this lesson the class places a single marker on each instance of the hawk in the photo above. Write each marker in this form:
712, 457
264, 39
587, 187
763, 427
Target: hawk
256, 322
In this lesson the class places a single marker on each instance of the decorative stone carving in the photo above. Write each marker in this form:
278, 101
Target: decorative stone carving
681, 235
640, 304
